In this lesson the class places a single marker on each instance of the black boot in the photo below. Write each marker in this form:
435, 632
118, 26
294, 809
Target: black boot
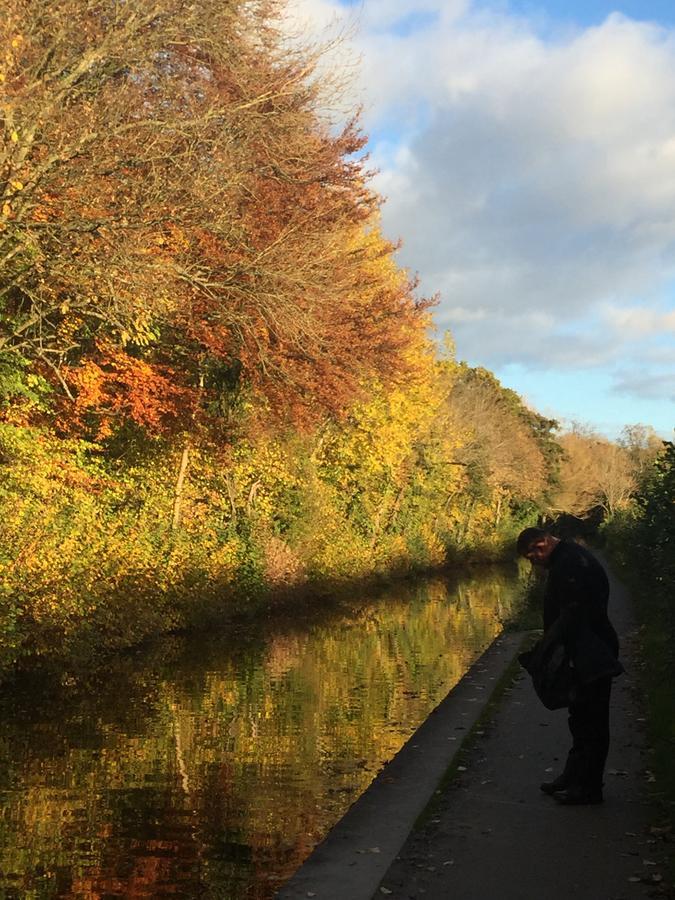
569, 775
577, 796
558, 784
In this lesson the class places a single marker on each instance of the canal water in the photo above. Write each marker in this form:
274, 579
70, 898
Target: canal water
210, 766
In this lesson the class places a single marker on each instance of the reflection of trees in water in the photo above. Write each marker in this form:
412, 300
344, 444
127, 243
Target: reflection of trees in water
213, 766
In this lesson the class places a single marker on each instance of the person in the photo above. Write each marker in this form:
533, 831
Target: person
575, 612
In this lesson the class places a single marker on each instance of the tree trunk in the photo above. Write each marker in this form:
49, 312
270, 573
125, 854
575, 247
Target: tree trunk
180, 484
498, 514
251, 497
229, 482
468, 521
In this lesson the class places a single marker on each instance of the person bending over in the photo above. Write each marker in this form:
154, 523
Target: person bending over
575, 612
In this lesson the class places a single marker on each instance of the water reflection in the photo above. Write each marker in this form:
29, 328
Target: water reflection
210, 767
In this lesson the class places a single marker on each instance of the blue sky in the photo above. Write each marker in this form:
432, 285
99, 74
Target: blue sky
526, 151
593, 12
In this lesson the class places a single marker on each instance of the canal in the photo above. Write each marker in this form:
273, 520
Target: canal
210, 765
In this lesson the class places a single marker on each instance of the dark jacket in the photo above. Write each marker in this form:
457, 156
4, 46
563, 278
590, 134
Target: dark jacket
577, 594
580, 644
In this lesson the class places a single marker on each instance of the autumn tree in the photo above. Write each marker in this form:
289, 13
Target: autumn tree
172, 192
643, 445
508, 450
595, 472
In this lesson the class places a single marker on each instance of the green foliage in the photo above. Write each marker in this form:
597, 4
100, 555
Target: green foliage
20, 385
656, 501
642, 539
643, 535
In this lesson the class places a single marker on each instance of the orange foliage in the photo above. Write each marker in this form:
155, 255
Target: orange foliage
112, 387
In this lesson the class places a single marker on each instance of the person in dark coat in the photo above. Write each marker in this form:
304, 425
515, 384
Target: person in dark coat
575, 613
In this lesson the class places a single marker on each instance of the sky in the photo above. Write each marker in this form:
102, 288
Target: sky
526, 154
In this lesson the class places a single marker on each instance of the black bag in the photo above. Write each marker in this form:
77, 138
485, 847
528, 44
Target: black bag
556, 673
553, 675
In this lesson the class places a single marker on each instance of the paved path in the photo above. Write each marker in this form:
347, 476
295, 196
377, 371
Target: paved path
494, 835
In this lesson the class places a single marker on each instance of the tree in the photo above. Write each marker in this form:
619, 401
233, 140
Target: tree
170, 191
643, 445
505, 443
655, 531
595, 472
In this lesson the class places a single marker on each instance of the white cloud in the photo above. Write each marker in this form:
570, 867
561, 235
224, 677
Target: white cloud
375, 16
531, 180
640, 322
647, 385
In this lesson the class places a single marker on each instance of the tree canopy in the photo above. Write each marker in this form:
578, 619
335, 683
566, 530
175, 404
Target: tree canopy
179, 215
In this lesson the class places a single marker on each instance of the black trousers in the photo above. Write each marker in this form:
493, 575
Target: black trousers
589, 726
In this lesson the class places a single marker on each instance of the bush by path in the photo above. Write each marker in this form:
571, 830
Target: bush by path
642, 541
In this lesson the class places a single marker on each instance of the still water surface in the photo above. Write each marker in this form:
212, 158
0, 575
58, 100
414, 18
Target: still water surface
210, 766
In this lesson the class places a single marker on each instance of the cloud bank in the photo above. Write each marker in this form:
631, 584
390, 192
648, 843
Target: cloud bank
531, 178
